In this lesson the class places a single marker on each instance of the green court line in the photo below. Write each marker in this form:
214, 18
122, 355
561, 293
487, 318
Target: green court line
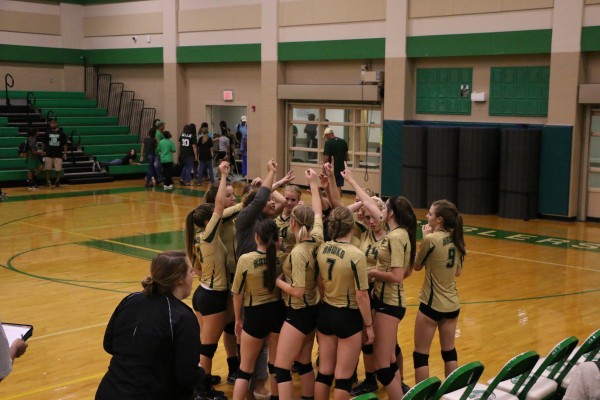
11, 267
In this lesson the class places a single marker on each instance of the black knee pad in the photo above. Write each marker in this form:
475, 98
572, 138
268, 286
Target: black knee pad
324, 379
230, 328
397, 349
385, 375
303, 368
243, 375
282, 375
208, 350
344, 384
449, 355
367, 349
420, 359
271, 368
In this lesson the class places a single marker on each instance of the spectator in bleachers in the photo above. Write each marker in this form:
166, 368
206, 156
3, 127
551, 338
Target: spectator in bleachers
129, 159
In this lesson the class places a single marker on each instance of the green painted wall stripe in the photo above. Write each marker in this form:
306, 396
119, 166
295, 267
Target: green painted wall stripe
219, 53
332, 50
590, 38
480, 44
151, 55
555, 170
51, 55
392, 158
48, 55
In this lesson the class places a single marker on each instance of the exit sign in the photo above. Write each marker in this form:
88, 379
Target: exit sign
227, 95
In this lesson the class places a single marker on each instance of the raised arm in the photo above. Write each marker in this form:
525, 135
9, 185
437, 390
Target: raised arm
366, 200
334, 194
315, 195
220, 199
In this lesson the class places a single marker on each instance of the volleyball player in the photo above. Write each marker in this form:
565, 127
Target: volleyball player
345, 315
227, 233
292, 194
441, 253
211, 300
264, 311
300, 291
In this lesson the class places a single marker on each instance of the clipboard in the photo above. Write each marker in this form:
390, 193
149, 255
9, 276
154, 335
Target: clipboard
17, 331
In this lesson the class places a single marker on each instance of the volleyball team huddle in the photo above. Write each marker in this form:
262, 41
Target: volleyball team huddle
328, 271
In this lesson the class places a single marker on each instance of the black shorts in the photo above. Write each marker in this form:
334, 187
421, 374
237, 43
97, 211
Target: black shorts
303, 319
339, 321
263, 319
208, 302
394, 311
437, 316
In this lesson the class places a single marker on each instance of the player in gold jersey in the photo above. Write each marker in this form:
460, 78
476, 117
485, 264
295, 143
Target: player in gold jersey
395, 255
301, 296
442, 252
263, 310
211, 300
345, 316
291, 194
227, 234
367, 236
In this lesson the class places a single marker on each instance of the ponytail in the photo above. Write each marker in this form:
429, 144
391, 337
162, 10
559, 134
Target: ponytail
166, 272
197, 218
190, 236
268, 234
453, 223
405, 217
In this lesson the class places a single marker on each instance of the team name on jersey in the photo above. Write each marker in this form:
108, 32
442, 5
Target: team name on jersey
334, 250
259, 262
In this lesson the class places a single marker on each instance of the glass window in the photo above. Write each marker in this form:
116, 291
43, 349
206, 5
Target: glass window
596, 123
594, 180
337, 115
359, 126
595, 152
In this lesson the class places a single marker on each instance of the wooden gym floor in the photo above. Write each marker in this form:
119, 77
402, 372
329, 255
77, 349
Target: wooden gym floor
69, 255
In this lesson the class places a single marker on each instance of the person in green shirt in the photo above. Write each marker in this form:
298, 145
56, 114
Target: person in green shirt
159, 127
165, 150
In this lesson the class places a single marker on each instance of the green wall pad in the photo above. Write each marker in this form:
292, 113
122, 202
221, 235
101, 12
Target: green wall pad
76, 112
519, 91
3, 121
414, 168
391, 158
444, 90
519, 173
478, 170
555, 170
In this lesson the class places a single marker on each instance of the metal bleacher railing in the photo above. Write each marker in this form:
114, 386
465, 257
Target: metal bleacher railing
119, 102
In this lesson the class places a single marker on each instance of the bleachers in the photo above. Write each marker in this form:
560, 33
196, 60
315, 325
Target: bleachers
95, 135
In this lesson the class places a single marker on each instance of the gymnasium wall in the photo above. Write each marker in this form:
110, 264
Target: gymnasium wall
145, 80
205, 84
